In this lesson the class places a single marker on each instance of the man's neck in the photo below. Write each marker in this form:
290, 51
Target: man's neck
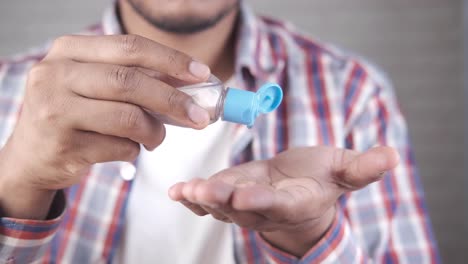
214, 46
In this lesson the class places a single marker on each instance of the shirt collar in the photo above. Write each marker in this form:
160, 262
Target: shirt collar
110, 21
257, 49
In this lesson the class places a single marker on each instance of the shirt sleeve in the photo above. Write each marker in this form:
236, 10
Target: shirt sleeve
386, 222
26, 241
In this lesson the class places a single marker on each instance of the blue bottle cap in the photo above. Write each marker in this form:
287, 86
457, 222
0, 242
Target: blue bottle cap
243, 107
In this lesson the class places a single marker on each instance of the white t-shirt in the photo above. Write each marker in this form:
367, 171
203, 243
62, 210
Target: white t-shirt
159, 230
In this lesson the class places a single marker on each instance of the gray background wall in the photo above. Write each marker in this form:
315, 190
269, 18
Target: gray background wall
465, 49
418, 42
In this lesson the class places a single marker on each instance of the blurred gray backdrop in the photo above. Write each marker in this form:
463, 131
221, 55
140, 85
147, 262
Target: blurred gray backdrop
465, 72
418, 42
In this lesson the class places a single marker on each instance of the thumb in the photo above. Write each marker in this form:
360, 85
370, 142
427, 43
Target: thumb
356, 171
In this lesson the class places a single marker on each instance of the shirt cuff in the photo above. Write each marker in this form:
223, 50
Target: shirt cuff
24, 240
335, 246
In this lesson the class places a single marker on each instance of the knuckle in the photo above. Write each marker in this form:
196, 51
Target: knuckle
174, 100
37, 74
61, 42
342, 172
46, 75
177, 61
173, 56
131, 118
125, 79
338, 162
46, 94
130, 44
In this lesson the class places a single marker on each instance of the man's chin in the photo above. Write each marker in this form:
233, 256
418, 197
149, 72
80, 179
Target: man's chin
181, 24
186, 25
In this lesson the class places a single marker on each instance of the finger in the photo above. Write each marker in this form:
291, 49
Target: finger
213, 193
97, 148
164, 77
196, 209
130, 85
245, 174
278, 206
208, 195
281, 205
188, 189
130, 50
352, 172
252, 198
216, 197
216, 214
175, 192
118, 119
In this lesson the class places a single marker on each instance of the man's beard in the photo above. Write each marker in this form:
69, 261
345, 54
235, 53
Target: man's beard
184, 25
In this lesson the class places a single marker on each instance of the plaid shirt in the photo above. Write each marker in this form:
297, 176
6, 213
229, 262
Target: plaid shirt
331, 98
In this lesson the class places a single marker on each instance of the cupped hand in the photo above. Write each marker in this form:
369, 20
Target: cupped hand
290, 198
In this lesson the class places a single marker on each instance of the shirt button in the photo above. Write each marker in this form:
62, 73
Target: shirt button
127, 171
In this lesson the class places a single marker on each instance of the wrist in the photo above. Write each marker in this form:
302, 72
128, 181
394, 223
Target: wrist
18, 197
19, 201
300, 239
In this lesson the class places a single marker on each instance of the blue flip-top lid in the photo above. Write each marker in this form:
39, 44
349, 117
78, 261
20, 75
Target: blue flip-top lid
244, 107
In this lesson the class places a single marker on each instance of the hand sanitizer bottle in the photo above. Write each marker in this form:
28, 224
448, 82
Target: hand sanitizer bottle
234, 105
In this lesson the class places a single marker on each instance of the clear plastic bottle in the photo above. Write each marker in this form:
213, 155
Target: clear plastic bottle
234, 105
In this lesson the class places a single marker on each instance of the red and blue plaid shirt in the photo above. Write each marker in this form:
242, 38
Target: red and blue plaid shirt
331, 98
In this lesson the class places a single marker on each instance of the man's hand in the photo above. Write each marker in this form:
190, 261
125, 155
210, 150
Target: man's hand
89, 101
291, 198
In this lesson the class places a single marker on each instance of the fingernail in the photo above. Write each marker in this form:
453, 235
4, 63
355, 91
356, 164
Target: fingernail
197, 114
199, 69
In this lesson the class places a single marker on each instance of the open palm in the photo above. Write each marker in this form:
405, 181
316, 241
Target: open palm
295, 190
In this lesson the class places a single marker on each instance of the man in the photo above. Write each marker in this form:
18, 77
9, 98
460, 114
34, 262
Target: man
304, 185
